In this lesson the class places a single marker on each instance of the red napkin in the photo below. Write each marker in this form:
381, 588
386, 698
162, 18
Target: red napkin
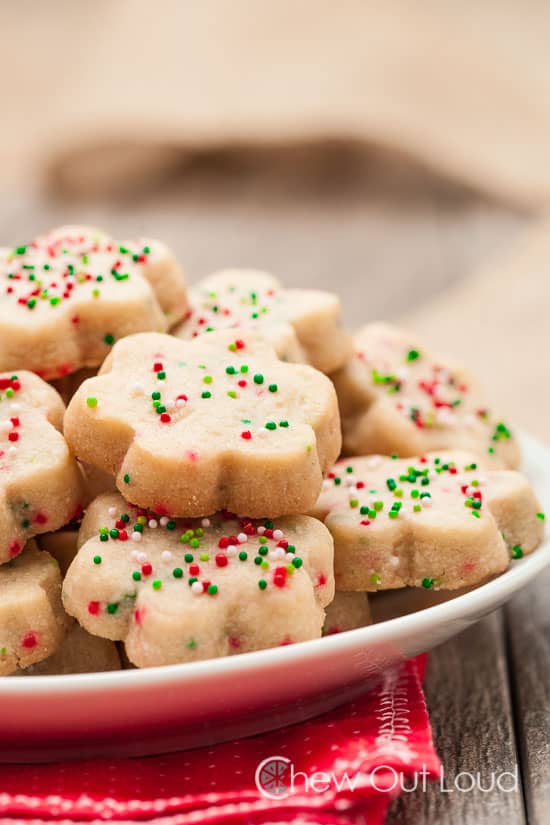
331, 770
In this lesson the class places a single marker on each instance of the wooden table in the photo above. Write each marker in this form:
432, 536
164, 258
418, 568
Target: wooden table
387, 243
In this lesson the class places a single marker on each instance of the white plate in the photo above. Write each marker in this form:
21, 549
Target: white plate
181, 706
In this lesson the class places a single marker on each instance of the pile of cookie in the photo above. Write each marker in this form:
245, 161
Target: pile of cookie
170, 470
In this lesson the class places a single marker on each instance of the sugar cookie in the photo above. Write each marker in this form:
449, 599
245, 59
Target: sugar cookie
191, 427
438, 521
395, 397
182, 590
66, 296
32, 620
302, 324
41, 487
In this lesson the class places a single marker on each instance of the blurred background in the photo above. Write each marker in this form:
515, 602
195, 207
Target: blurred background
397, 152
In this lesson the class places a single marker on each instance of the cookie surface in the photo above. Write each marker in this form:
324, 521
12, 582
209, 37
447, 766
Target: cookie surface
192, 427
32, 620
66, 296
439, 521
41, 486
347, 611
182, 590
303, 325
395, 397
79, 652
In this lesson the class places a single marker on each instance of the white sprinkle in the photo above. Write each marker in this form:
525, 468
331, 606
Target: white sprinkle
166, 555
394, 561
112, 511
15, 406
170, 404
374, 461
231, 550
196, 587
205, 522
136, 536
164, 521
279, 553
242, 538
350, 481
277, 535
135, 554
262, 432
326, 483
426, 502
142, 557
6, 425
289, 556
181, 402
261, 530
12, 450
153, 523
470, 490
138, 389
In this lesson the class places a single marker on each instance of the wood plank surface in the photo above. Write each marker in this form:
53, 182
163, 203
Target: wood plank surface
528, 635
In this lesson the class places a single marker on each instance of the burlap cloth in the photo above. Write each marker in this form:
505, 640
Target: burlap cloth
101, 92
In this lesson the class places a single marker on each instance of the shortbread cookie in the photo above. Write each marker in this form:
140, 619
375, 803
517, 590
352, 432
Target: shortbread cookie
395, 397
191, 427
302, 324
61, 545
40, 483
438, 521
347, 611
181, 590
32, 620
68, 295
80, 652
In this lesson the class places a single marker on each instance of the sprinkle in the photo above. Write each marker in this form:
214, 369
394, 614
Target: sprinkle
91, 401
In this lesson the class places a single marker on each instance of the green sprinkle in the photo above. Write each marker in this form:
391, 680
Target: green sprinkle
258, 378
517, 551
427, 583
109, 338
212, 589
97, 559
155, 395
375, 579
412, 355
297, 562
157, 584
126, 478
207, 379
206, 394
273, 388
136, 575
177, 572
243, 555
91, 401
283, 423
541, 516
271, 425
262, 584
112, 608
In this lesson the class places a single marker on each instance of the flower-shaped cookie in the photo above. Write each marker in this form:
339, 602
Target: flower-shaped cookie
191, 427
32, 620
436, 521
395, 397
181, 590
65, 297
41, 486
79, 652
347, 611
302, 324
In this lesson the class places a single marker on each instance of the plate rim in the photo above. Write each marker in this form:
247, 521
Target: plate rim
480, 599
